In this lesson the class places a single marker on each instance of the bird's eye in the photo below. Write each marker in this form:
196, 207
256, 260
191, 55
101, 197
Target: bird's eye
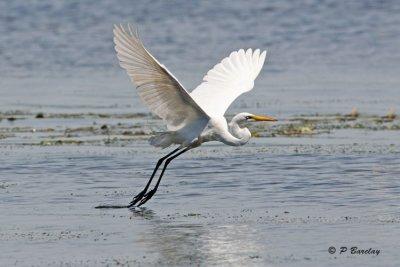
248, 117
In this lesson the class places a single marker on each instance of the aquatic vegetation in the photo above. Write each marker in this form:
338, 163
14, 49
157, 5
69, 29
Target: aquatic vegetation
390, 116
353, 114
52, 129
295, 129
60, 142
40, 115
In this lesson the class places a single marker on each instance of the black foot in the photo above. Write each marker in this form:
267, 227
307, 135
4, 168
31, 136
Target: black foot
137, 198
147, 197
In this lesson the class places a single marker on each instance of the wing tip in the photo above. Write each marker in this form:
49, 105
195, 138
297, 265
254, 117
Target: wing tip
262, 57
128, 29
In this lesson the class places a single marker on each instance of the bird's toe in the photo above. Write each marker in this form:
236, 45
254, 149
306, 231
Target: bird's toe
146, 197
137, 198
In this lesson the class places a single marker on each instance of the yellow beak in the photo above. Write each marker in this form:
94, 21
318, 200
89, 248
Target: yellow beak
263, 118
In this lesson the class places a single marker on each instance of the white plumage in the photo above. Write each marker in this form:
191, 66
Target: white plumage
230, 78
157, 87
195, 118
190, 118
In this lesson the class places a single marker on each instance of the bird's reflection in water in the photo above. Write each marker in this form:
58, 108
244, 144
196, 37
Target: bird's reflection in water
234, 244
142, 212
181, 242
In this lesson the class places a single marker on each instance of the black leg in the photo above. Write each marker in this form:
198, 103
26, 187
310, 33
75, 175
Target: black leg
149, 194
139, 196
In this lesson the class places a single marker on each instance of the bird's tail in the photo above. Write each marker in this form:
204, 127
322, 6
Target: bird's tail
163, 140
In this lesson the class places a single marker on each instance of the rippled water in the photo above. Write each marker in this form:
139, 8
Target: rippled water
317, 178
324, 55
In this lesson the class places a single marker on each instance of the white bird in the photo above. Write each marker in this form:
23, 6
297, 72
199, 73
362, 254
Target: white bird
191, 118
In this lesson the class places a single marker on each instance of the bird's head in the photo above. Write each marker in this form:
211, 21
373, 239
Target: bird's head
248, 117
244, 134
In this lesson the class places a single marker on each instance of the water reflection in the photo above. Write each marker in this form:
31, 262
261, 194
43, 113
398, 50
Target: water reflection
142, 212
233, 243
180, 241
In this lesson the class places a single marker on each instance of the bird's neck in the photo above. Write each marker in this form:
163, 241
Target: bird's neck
242, 135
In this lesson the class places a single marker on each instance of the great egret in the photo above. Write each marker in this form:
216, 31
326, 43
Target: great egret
191, 118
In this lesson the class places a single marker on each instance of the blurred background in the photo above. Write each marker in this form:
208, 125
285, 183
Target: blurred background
324, 56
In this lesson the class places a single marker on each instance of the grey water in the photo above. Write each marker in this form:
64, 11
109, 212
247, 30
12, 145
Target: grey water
281, 200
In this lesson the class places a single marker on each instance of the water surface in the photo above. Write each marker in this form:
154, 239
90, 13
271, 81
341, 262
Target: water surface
73, 135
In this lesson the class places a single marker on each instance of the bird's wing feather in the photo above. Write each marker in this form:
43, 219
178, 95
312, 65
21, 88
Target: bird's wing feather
157, 87
230, 78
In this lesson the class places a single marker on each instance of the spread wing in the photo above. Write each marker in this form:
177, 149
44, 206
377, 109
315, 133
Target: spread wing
157, 87
230, 78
